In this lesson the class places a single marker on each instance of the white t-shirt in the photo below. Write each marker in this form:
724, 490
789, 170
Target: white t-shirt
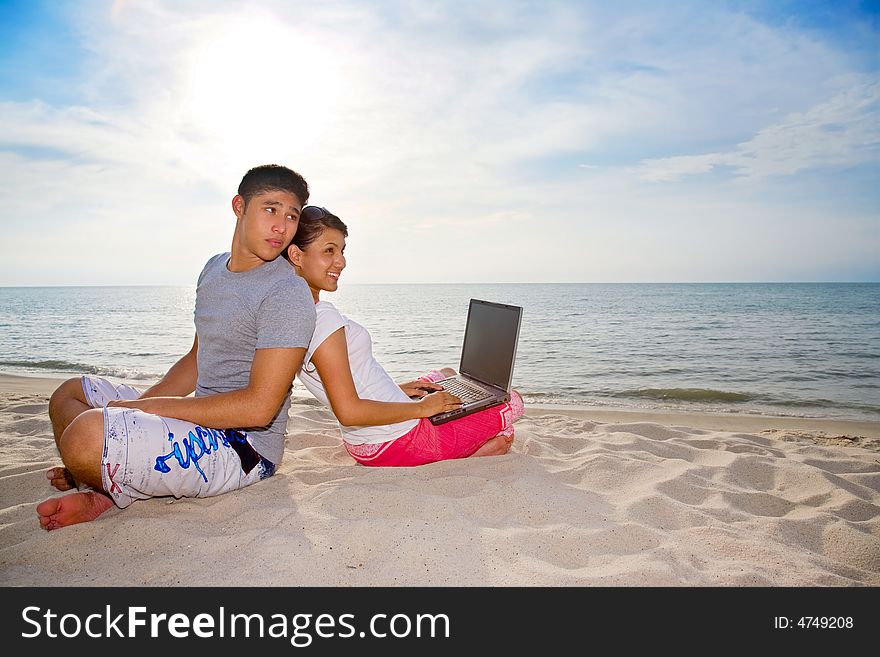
370, 379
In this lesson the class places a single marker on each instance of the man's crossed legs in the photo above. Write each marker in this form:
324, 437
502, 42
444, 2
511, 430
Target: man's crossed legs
117, 455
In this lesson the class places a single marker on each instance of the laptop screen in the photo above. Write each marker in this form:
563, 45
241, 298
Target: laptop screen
490, 339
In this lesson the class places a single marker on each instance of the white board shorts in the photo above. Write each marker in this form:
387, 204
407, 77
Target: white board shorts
148, 455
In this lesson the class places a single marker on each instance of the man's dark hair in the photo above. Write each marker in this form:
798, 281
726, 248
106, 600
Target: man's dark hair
272, 177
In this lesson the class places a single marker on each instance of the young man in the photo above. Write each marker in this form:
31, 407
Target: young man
254, 318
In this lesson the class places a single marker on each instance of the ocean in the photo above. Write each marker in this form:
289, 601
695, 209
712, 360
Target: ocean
788, 349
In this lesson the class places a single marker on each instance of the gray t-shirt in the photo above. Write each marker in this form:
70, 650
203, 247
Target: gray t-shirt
239, 312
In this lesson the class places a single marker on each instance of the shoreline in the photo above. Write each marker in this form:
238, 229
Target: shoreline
745, 423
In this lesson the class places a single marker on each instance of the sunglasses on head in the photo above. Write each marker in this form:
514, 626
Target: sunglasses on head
312, 212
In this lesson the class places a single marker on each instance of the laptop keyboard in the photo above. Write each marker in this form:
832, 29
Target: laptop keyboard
463, 391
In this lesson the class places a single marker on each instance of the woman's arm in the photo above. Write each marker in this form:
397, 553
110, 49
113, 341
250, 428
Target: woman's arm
331, 360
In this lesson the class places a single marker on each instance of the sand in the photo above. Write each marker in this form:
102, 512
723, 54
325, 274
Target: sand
586, 497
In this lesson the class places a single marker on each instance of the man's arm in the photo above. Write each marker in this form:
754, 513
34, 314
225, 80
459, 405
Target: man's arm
272, 373
181, 379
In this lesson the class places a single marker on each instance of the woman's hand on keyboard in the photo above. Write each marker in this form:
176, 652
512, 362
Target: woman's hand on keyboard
418, 389
438, 402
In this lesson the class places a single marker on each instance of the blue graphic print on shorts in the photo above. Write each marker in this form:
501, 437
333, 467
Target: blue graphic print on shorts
194, 448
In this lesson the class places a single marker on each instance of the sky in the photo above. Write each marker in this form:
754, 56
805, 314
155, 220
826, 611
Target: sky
460, 141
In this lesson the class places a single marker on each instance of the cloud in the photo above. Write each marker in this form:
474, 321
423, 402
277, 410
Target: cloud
431, 128
843, 131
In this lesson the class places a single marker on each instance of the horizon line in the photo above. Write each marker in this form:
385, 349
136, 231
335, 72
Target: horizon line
798, 282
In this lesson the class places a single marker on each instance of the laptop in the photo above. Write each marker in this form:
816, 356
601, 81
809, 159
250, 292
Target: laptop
487, 356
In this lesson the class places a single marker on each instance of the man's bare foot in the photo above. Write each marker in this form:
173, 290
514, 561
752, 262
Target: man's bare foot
496, 446
60, 478
57, 512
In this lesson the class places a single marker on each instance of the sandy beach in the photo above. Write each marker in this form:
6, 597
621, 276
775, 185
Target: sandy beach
586, 497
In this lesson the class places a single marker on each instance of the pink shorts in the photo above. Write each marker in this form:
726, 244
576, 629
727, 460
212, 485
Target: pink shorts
426, 443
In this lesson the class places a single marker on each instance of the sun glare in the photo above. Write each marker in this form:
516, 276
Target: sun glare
255, 82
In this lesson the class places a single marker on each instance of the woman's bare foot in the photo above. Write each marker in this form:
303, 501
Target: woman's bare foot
496, 446
57, 512
60, 478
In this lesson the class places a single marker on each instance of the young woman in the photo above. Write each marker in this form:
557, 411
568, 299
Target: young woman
381, 423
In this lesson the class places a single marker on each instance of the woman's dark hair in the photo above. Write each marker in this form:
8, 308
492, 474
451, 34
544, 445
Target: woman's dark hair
313, 220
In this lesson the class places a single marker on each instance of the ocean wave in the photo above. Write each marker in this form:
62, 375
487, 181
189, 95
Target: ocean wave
823, 404
65, 367
728, 401
687, 395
